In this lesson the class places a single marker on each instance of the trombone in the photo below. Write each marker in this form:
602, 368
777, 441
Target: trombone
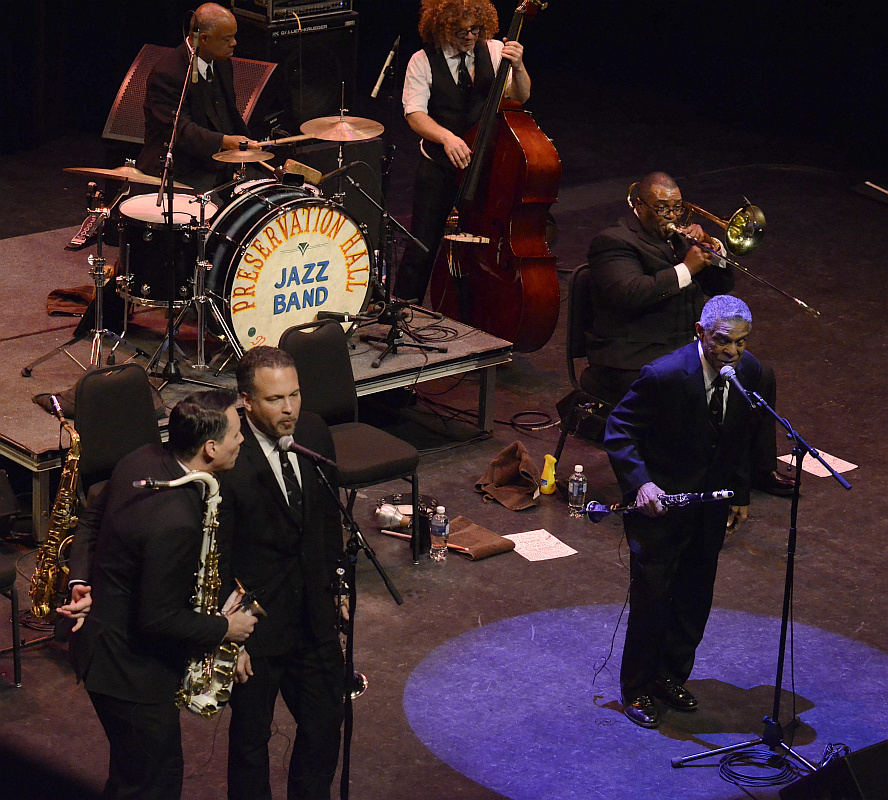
744, 229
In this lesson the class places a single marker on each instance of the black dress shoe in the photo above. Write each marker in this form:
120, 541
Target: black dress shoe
642, 711
777, 484
674, 695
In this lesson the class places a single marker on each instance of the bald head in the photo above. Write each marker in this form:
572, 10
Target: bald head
217, 29
209, 15
645, 186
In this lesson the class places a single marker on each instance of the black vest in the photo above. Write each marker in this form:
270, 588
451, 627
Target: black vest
447, 105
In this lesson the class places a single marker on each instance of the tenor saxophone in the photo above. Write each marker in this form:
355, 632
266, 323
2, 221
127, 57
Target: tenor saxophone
206, 687
48, 581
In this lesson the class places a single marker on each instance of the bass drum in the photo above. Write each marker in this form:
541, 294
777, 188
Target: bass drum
279, 255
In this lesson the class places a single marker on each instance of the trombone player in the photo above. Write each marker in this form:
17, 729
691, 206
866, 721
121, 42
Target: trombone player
648, 288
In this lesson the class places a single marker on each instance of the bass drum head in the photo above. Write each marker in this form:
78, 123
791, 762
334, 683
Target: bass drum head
280, 256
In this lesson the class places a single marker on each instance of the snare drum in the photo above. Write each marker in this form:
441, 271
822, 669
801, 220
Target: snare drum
143, 243
280, 254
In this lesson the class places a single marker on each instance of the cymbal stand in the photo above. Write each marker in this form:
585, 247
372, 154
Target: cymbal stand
394, 312
99, 333
774, 735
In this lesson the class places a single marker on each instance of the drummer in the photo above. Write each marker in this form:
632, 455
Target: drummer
210, 121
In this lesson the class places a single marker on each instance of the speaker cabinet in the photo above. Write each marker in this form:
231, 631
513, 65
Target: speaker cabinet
317, 63
861, 775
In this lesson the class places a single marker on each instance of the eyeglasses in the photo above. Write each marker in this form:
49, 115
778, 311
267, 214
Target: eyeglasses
664, 211
465, 32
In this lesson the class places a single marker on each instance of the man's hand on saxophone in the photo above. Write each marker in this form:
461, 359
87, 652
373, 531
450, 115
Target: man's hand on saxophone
79, 605
240, 626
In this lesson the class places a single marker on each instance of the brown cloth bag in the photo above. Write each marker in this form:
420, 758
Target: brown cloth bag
474, 542
511, 479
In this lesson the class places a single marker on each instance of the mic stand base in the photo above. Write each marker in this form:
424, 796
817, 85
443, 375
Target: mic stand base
393, 315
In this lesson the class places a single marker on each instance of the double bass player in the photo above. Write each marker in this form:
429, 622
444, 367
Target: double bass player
445, 89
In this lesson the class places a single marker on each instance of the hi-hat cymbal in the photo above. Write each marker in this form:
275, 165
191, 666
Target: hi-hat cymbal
242, 156
342, 129
127, 173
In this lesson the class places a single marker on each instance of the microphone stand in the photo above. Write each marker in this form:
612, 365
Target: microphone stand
774, 734
393, 313
171, 372
346, 575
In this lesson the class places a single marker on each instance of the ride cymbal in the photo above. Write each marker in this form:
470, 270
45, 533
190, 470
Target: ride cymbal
126, 173
342, 129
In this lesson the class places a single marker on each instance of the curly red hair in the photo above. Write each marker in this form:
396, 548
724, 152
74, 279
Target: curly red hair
440, 20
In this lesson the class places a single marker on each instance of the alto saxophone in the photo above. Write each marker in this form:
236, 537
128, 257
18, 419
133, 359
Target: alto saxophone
48, 581
206, 687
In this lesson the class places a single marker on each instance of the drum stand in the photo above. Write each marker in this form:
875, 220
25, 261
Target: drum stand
200, 298
99, 333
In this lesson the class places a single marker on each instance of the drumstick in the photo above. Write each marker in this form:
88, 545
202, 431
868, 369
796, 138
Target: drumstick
286, 140
310, 175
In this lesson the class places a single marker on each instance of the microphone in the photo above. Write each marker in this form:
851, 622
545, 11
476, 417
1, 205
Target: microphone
337, 172
338, 316
730, 374
385, 66
288, 444
194, 71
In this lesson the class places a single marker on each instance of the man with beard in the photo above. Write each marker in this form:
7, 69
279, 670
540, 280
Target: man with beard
285, 537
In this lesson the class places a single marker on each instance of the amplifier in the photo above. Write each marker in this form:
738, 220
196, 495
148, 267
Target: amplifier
288, 10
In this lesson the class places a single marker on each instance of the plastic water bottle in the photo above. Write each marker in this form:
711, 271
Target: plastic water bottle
440, 533
576, 491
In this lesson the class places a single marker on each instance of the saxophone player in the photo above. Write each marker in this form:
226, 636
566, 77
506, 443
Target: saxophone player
133, 646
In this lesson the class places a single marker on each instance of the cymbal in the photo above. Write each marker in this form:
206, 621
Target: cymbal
242, 156
130, 174
341, 129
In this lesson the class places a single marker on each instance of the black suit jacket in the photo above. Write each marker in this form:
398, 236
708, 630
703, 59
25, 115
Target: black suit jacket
134, 642
661, 430
293, 570
638, 311
200, 127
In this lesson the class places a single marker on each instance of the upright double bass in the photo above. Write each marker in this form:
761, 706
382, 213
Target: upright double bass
494, 270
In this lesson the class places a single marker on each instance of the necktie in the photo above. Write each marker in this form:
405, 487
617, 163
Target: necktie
716, 402
294, 491
463, 79
209, 72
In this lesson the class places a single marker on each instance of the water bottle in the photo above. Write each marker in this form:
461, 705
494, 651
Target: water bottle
576, 491
440, 533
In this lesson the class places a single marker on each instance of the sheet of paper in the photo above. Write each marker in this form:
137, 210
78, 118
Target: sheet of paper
539, 545
814, 467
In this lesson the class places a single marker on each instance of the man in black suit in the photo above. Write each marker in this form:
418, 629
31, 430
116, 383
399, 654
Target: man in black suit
210, 121
679, 429
648, 286
132, 649
285, 537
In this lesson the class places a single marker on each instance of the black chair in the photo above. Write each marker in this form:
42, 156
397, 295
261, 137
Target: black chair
366, 455
114, 415
582, 403
8, 589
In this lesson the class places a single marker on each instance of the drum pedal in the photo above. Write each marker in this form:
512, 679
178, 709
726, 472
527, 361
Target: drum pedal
83, 237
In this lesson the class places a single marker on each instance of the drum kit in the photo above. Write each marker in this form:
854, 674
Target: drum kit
273, 256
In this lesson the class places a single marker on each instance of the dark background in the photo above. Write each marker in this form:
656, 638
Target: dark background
795, 68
